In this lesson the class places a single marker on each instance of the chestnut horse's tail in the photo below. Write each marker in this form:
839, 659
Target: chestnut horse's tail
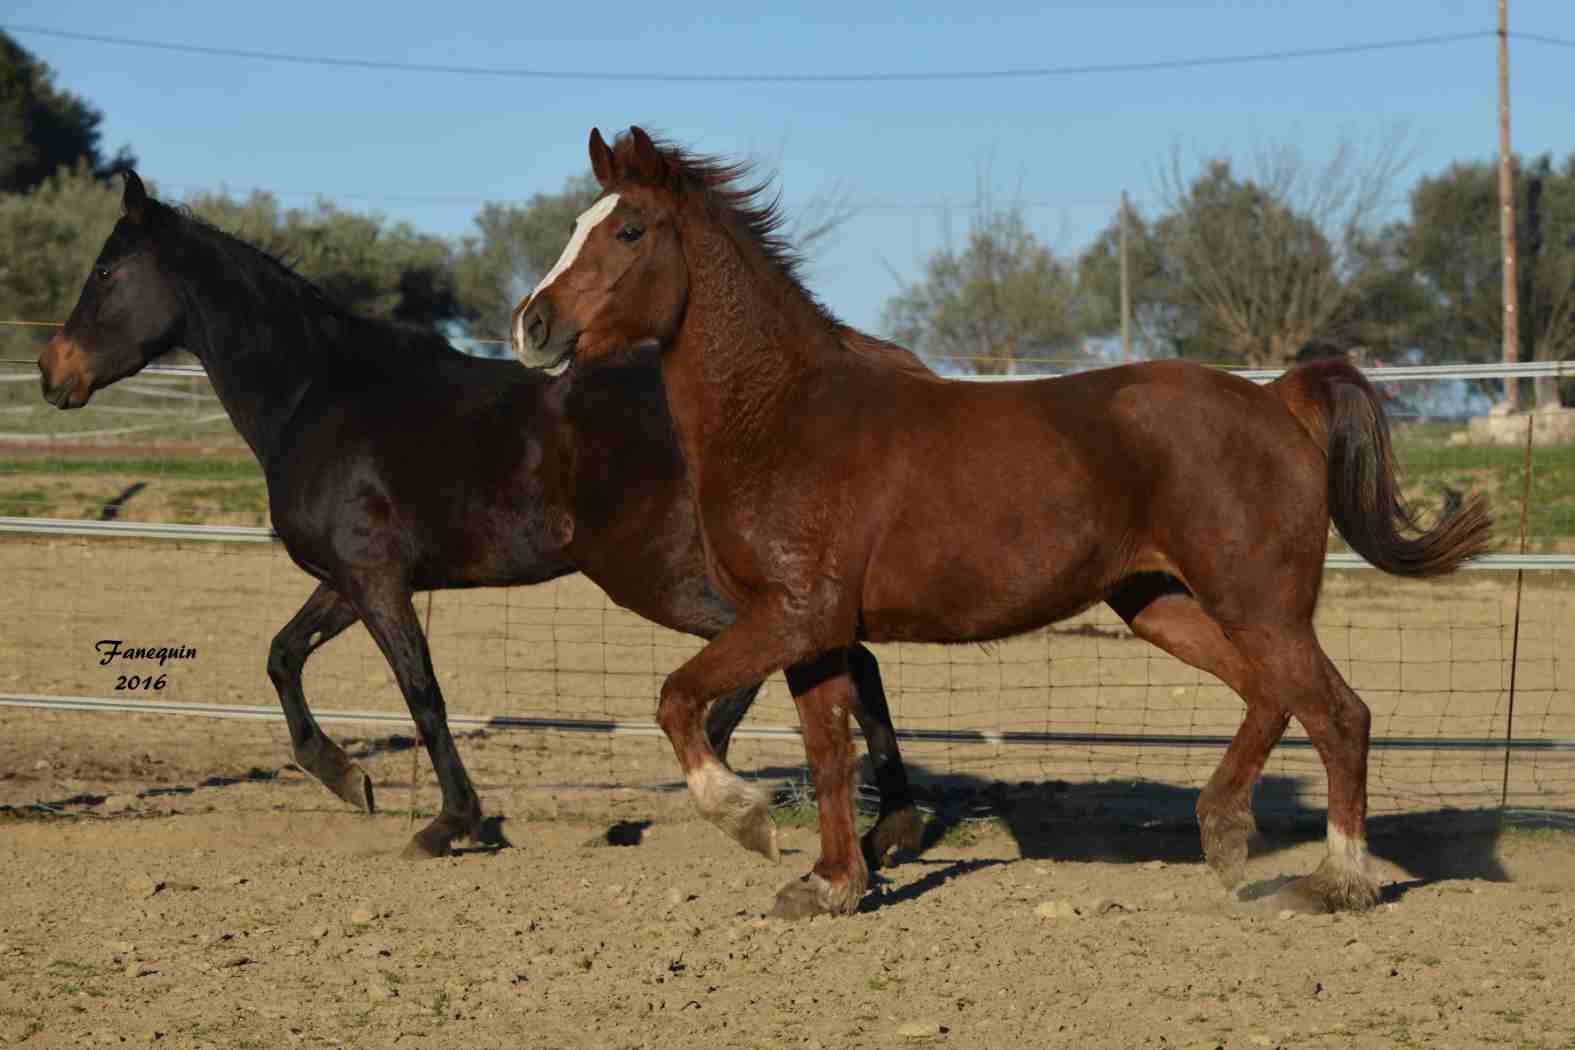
1345, 416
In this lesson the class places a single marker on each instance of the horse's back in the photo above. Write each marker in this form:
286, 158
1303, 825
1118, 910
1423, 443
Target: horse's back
443, 464
1085, 479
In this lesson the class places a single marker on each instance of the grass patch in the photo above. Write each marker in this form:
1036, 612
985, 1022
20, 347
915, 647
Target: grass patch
969, 832
797, 815
72, 968
1428, 465
194, 467
1534, 833
27, 503
807, 815
199, 503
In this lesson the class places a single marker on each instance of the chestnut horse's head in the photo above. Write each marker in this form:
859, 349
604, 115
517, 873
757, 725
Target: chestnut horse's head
621, 280
129, 311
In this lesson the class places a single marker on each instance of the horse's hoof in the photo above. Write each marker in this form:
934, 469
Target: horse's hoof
756, 831
735, 806
327, 761
355, 787
1327, 890
418, 850
429, 843
1225, 840
810, 896
901, 829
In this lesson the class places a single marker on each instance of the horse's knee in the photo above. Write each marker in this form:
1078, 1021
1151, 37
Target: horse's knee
674, 712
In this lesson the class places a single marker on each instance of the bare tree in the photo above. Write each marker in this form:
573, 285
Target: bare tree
1256, 267
1001, 301
814, 226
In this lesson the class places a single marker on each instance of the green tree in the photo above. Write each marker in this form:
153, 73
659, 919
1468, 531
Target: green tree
1247, 270
994, 306
1452, 243
48, 240
515, 246
44, 128
360, 261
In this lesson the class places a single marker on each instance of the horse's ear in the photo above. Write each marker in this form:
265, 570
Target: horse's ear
647, 158
134, 198
601, 159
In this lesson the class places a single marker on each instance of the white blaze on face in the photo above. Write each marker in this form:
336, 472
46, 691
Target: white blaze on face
582, 229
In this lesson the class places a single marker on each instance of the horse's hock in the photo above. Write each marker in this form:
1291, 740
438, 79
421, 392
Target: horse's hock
1550, 426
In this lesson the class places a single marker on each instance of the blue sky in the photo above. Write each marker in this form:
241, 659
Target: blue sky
430, 148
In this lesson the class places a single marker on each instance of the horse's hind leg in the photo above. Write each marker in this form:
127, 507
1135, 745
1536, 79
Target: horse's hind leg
1166, 616
724, 715
1279, 672
1292, 664
323, 617
392, 622
899, 825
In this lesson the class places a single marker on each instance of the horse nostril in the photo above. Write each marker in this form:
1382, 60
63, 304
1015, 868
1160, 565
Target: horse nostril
537, 332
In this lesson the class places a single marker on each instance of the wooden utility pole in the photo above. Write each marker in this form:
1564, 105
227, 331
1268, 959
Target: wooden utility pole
1506, 206
1126, 287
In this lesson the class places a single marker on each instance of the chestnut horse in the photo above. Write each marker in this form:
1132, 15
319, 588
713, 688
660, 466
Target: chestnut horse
395, 464
842, 502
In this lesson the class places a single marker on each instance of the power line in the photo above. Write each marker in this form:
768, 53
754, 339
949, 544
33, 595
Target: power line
191, 188
1543, 38
1157, 65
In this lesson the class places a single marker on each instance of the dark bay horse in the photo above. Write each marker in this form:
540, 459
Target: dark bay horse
395, 463
842, 502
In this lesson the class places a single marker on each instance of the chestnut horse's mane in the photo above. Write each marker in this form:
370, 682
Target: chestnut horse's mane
730, 187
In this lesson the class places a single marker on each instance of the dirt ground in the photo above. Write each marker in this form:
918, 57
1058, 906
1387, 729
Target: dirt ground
236, 928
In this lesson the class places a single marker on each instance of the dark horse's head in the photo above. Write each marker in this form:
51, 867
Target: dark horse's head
622, 280
129, 312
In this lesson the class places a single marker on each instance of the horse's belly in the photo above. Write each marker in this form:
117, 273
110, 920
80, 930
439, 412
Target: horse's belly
959, 596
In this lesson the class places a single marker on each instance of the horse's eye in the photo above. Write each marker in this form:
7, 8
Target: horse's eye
630, 234
103, 273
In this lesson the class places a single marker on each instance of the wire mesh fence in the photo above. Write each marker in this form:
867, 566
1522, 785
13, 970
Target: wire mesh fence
553, 688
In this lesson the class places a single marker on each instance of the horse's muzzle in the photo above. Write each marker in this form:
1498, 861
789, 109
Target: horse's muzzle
540, 340
63, 375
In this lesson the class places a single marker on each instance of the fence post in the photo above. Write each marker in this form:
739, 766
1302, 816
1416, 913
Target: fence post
1514, 645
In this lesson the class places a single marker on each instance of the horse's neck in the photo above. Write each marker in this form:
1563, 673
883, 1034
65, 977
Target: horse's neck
256, 360
745, 339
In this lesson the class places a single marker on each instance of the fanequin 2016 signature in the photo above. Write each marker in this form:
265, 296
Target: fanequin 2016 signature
112, 649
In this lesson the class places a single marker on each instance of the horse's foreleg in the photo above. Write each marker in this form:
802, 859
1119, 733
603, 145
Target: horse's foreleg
759, 642
822, 690
324, 616
392, 622
899, 826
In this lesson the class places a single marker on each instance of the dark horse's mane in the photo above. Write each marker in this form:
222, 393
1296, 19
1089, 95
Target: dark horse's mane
203, 248
731, 189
